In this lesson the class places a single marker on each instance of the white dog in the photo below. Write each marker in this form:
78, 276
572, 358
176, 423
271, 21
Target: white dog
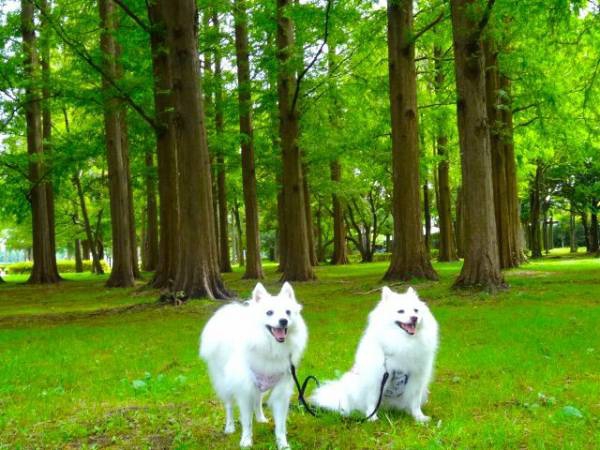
401, 339
248, 348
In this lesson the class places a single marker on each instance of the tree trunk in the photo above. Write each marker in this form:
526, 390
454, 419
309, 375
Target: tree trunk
297, 256
594, 244
427, 216
447, 247
240, 239
482, 266
340, 252
534, 211
514, 214
125, 151
586, 231
253, 260
223, 229
310, 226
166, 149
498, 149
122, 274
44, 257
460, 224
150, 240
197, 272
78, 259
47, 127
89, 243
409, 256
572, 234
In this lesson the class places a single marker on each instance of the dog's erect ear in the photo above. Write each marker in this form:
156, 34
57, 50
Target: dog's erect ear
411, 291
386, 293
287, 291
259, 292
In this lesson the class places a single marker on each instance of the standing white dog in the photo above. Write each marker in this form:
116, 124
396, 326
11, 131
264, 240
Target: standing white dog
401, 339
248, 348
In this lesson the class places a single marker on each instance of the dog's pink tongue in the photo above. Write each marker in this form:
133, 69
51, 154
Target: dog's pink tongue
279, 333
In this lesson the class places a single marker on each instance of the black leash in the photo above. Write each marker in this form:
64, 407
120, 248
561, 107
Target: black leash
383, 380
302, 389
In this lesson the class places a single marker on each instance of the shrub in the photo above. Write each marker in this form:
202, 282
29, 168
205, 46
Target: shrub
64, 266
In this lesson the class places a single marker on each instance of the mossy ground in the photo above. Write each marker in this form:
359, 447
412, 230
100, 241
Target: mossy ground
520, 369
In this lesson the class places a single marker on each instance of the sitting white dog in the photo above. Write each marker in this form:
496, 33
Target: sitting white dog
401, 339
249, 348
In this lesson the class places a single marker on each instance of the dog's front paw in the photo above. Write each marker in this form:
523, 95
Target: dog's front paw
246, 441
282, 443
422, 418
229, 428
262, 419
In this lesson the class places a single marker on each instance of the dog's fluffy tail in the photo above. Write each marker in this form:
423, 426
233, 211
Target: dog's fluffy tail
331, 395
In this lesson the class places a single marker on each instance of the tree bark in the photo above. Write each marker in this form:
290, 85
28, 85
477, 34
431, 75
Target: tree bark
122, 273
502, 214
340, 252
297, 256
514, 213
481, 266
253, 260
586, 231
44, 255
47, 127
197, 273
150, 243
240, 238
223, 234
310, 226
447, 247
78, 259
166, 149
409, 256
594, 243
427, 216
460, 224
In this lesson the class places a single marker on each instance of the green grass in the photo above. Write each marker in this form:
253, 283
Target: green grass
517, 370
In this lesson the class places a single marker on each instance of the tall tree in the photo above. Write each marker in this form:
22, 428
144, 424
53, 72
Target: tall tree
224, 259
297, 257
409, 256
535, 206
253, 260
150, 239
122, 273
166, 148
197, 272
482, 266
447, 246
44, 257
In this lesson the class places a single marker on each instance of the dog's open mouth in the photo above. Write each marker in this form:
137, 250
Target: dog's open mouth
278, 333
410, 328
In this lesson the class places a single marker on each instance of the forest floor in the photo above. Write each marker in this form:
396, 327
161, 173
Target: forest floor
82, 366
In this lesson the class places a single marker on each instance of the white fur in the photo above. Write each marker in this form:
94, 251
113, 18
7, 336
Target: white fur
386, 346
237, 345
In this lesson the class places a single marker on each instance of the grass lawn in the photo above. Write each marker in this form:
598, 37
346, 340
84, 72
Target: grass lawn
82, 366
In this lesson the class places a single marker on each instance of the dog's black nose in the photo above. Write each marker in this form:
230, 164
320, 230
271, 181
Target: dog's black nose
283, 322
414, 319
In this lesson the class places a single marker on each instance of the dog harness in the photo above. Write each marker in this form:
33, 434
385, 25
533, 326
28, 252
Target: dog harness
265, 382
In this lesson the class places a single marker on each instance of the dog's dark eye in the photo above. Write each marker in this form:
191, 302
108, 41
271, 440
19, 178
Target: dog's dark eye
288, 312
269, 313
416, 310
400, 311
